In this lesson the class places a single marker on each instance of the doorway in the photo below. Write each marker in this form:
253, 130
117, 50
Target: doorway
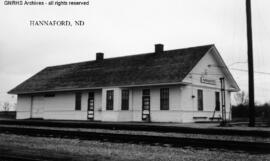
38, 105
91, 106
146, 105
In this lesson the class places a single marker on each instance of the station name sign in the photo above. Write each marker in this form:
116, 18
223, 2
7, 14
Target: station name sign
208, 81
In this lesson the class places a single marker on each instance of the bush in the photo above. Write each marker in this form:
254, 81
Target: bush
242, 111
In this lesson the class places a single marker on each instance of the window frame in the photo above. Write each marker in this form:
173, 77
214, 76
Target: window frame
164, 98
109, 102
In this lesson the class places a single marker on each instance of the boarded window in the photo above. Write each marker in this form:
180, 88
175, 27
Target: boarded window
109, 101
164, 99
217, 101
78, 98
200, 100
125, 99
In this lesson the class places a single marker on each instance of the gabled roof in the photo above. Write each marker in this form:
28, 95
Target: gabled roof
234, 86
171, 66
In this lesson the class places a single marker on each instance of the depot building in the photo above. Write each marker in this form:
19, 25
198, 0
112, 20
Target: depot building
180, 85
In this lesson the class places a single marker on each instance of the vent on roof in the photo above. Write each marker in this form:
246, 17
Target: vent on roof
159, 48
99, 56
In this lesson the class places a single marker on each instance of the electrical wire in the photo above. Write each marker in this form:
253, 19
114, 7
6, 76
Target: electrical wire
244, 70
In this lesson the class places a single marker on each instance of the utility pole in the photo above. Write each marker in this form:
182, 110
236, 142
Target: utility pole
223, 102
250, 65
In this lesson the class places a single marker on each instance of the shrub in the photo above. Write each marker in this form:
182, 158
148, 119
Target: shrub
241, 111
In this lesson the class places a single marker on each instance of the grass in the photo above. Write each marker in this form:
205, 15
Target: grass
74, 149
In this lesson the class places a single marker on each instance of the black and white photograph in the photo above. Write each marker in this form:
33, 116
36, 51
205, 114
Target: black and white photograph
134, 80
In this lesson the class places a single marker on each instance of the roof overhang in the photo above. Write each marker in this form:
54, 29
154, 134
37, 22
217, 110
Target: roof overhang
98, 88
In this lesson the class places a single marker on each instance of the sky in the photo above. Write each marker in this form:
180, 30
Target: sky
126, 27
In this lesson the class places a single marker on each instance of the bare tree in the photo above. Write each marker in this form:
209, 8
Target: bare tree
6, 106
241, 98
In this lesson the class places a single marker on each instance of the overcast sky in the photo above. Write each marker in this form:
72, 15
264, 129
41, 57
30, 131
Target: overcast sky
125, 27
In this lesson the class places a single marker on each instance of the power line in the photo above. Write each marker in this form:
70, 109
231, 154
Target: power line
244, 70
239, 62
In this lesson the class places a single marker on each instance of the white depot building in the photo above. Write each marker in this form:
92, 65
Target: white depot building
181, 85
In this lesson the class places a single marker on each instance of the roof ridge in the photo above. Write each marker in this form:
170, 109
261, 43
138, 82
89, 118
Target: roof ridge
128, 56
191, 47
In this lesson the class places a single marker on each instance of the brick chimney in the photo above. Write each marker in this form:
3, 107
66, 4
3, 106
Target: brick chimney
159, 48
99, 56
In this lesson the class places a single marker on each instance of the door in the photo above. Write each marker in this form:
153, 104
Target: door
38, 107
146, 105
91, 106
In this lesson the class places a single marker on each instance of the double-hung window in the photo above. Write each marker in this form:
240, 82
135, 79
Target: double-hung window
109, 100
125, 99
164, 99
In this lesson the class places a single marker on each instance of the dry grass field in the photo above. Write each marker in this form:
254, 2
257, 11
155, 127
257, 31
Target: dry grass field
74, 149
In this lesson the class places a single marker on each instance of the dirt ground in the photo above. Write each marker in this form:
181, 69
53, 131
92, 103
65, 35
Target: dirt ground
74, 149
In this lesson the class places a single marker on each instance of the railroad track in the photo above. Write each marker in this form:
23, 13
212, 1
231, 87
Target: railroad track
137, 127
251, 147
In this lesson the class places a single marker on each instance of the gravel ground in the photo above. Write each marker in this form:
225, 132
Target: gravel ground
184, 135
74, 149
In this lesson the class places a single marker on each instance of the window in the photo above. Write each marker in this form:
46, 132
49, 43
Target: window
125, 99
146, 92
49, 95
200, 100
109, 102
164, 99
78, 97
217, 101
